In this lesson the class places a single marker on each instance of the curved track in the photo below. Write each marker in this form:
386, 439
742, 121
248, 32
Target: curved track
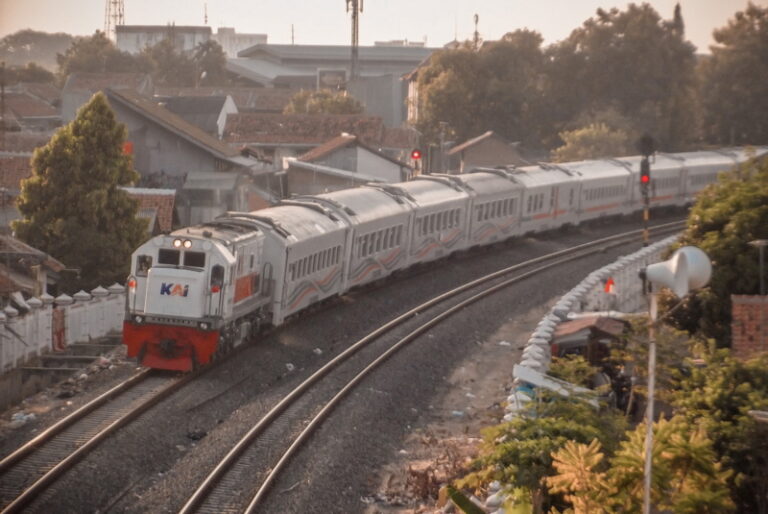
267, 448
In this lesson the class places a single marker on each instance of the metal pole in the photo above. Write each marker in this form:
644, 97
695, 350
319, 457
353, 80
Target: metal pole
646, 204
647, 469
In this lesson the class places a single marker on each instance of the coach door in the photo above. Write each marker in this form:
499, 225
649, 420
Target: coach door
217, 290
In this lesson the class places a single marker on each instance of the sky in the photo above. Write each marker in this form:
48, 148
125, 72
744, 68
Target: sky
327, 22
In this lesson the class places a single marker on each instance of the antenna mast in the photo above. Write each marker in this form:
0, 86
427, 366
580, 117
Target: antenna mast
114, 15
357, 7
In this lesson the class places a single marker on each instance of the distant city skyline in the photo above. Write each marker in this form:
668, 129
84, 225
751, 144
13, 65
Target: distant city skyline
326, 22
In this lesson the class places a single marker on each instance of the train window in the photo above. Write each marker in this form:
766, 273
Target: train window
143, 263
255, 282
253, 259
217, 276
166, 256
194, 259
570, 197
292, 270
399, 236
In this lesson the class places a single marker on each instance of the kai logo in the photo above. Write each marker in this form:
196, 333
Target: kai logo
172, 289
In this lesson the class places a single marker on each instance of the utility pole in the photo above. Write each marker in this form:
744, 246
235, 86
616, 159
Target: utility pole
357, 7
477, 34
2, 105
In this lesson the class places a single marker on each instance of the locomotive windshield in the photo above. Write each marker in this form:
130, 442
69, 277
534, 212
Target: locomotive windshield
166, 256
194, 259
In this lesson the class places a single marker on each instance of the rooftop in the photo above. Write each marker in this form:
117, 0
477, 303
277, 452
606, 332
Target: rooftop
309, 129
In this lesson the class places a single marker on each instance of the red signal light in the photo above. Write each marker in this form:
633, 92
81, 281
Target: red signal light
415, 154
645, 179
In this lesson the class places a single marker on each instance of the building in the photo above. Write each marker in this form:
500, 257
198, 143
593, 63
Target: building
156, 206
25, 111
209, 176
80, 87
233, 43
379, 86
749, 325
485, 151
207, 112
247, 99
135, 38
341, 163
27, 270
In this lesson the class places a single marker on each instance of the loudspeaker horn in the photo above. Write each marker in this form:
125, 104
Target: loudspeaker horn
689, 268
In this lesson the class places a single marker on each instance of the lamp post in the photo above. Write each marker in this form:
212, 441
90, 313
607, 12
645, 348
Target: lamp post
761, 244
689, 268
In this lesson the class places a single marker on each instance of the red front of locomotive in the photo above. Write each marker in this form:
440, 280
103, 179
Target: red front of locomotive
175, 302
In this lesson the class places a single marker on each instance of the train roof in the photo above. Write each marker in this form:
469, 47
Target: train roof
296, 222
365, 203
427, 190
487, 182
597, 169
542, 174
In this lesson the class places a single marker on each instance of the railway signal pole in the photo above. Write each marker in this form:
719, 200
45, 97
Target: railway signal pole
647, 147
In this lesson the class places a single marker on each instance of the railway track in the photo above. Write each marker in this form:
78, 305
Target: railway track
30, 470
241, 481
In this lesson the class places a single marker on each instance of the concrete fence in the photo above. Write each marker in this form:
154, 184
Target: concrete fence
615, 287
51, 324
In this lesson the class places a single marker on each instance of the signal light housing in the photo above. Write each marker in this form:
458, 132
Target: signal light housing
645, 172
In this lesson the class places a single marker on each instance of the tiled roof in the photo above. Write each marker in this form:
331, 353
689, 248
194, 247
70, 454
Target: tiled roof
24, 141
155, 203
93, 82
328, 147
13, 169
340, 142
23, 106
46, 92
300, 128
172, 122
260, 99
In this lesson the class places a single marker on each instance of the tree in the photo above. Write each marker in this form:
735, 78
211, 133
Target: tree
631, 61
169, 67
210, 62
27, 46
96, 54
72, 206
718, 396
722, 222
595, 141
686, 476
323, 101
734, 81
29, 73
494, 88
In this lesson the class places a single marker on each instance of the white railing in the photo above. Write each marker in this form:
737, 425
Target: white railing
51, 324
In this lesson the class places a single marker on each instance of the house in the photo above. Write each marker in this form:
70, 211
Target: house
379, 86
80, 87
14, 167
278, 136
485, 151
208, 112
24, 269
135, 38
209, 176
156, 206
247, 99
341, 163
25, 111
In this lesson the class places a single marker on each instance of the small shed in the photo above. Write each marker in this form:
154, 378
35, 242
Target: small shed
487, 150
589, 336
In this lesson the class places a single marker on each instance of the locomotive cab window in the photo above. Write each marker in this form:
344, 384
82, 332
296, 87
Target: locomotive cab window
194, 259
217, 275
143, 263
167, 256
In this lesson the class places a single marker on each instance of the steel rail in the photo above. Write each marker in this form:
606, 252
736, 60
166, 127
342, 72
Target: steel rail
43, 482
242, 445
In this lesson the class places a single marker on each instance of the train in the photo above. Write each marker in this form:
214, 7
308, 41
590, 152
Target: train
196, 293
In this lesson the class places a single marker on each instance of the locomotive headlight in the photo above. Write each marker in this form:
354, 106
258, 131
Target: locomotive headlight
177, 243
138, 319
187, 243
203, 325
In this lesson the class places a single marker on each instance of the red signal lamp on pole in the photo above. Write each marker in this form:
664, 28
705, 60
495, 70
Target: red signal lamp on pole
415, 154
